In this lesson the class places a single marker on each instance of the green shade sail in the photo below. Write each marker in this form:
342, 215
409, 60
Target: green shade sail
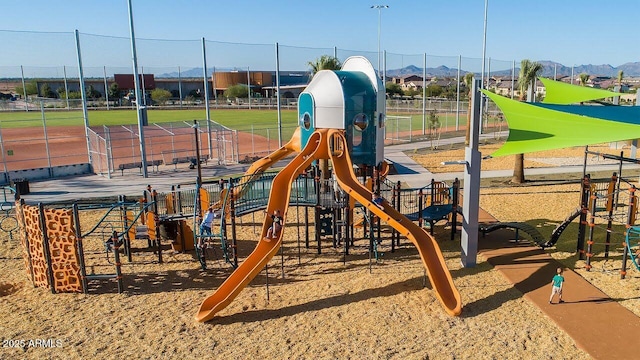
558, 92
536, 128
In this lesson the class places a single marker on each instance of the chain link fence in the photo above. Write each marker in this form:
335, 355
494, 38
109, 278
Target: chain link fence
42, 91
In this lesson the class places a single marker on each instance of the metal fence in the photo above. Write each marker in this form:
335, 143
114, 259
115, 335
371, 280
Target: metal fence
48, 69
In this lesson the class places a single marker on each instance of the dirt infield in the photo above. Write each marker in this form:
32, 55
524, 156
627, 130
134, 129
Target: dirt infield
31, 148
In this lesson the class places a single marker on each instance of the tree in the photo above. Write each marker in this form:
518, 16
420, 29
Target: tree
434, 90
324, 62
93, 93
393, 89
584, 78
160, 96
237, 91
31, 88
114, 91
529, 71
62, 94
45, 91
620, 76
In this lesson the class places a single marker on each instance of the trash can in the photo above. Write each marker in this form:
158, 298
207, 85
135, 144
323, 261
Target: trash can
21, 186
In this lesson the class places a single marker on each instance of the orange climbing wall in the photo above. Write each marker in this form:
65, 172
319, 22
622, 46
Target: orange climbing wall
23, 239
33, 232
62, 246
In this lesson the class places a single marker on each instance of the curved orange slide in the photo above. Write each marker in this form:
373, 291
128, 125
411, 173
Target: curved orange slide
278, 200
258, 167
427, 246
266, 162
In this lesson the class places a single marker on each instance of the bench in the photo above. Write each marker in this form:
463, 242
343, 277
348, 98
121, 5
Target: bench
188, 159
133, 165
138, 165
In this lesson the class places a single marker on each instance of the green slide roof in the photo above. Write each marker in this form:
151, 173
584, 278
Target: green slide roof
539, 127
558, 92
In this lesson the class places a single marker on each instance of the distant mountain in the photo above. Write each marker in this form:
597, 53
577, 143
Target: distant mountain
191, 73
630, 69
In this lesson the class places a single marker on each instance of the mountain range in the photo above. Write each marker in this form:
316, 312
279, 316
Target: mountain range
629, 69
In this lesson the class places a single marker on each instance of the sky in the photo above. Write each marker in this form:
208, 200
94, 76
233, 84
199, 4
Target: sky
243, 33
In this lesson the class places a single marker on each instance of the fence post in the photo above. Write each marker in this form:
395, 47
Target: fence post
83, 92
206, 97
24, 89
46, 139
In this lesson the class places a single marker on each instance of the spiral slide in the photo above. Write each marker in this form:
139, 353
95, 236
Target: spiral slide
278, 200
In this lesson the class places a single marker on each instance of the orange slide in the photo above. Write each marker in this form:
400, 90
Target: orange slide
278, 200
427, 246
258, 167
318, 148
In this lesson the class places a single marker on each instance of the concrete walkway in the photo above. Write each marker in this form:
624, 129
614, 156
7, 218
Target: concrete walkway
132, 183
598, 324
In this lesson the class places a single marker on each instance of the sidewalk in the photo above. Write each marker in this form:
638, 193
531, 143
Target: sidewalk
598, 324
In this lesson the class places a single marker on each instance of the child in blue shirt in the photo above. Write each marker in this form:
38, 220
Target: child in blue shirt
556, 286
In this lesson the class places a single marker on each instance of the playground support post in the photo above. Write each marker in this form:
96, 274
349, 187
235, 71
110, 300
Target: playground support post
156, 221
232, 214
614, 185
116, 257
125, 226
398, 209
79, 246
592, 224
454, 207
316, 180
631, 214
584, 205
471, 200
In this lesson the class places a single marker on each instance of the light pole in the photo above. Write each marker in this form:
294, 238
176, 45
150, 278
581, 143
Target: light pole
379, 7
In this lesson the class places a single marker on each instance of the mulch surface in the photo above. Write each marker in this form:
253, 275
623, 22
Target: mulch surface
598, 324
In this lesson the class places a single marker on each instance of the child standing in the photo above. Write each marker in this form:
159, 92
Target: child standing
556, 286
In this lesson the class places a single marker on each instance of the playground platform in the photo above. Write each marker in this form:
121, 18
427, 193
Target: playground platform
598, 324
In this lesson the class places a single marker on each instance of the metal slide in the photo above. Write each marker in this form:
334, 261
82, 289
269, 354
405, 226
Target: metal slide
427, 246
278, 200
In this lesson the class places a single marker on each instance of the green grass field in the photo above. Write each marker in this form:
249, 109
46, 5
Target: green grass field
259, 122
236, 119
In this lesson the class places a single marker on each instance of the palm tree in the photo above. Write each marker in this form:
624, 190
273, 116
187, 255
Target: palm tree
529, 71
468, 81
324, 62
620, 76
584, 77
